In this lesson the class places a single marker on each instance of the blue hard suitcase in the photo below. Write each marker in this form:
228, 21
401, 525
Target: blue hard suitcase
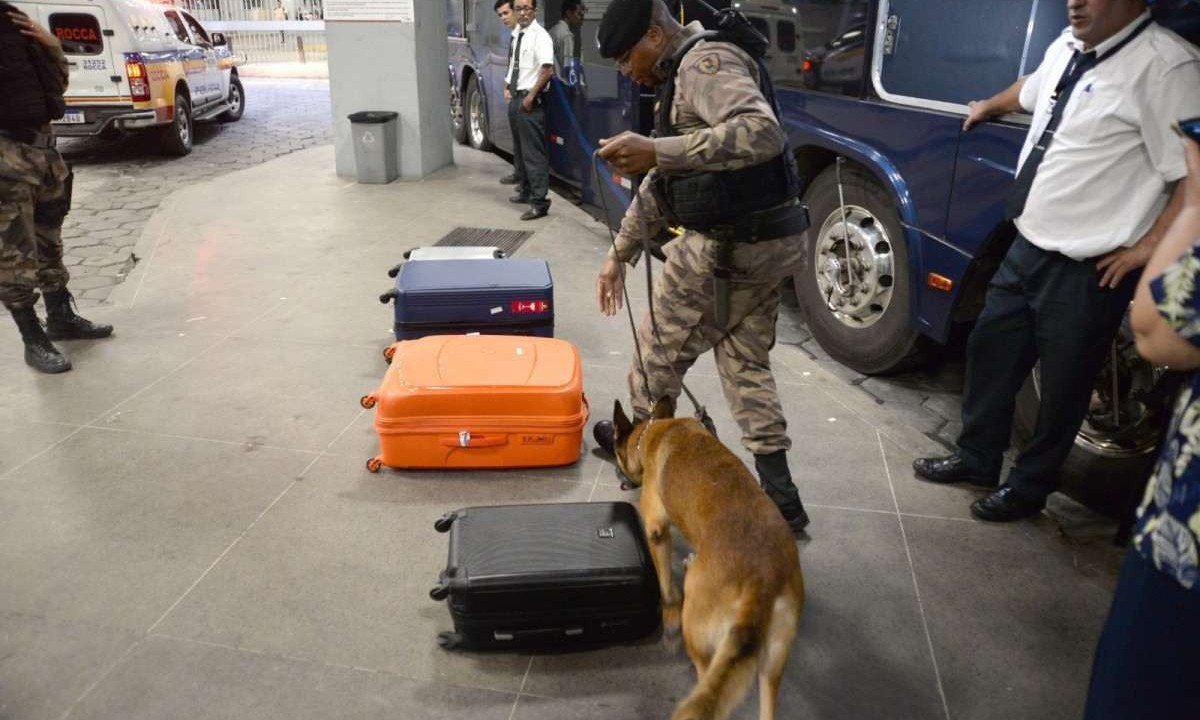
458, 297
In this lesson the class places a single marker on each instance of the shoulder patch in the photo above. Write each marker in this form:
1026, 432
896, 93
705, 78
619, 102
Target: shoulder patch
709, 64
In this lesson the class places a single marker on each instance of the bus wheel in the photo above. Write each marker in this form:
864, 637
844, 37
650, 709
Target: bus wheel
458, 118
477, 132
853, 281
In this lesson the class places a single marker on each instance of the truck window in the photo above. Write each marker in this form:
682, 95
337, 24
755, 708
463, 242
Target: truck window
177, 27
198, 32
830, 37
79, 33
589, 53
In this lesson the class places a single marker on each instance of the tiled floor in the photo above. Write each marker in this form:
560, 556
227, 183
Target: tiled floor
187, 529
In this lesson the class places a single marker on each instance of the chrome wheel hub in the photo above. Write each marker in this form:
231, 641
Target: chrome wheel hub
854, 266
475, 113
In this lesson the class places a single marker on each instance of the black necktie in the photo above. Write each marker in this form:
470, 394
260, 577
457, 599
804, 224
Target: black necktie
516, 65
1080, 64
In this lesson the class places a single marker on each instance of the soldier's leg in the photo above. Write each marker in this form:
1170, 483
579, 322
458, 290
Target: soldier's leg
20, 179
744, 364
53, 204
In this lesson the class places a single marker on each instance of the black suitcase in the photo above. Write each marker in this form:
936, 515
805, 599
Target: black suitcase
557, 575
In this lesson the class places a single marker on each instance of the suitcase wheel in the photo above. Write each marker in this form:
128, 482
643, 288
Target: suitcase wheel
367, 401
389, 352
443, 523
449, 640
374, 464
440, 592
387, 296
396, 269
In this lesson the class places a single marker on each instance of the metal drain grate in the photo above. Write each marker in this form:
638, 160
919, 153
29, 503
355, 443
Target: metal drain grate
507, 240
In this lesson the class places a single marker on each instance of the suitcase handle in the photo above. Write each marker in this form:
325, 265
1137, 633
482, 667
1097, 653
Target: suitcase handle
465, 439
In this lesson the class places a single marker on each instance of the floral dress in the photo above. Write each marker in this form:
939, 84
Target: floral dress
1169, 518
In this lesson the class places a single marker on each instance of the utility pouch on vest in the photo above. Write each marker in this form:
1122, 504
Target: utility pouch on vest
52, 212
696, 201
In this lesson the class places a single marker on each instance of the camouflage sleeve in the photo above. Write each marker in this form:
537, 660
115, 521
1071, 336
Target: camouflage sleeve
717, 84
642, 221
61, 64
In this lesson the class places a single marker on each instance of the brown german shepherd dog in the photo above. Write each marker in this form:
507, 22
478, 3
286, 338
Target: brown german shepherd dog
742, 589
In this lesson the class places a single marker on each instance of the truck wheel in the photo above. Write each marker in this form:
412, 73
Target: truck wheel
853, 282
1114, 453
458, 118
176, 138
477, 133
236, 100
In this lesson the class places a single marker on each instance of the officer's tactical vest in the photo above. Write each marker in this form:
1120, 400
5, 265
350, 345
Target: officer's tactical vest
28, 84
704, 200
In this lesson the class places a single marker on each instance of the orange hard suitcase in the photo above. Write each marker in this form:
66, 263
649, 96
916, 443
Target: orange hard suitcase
479, 401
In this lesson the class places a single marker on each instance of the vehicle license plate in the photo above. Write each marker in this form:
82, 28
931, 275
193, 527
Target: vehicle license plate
72, 117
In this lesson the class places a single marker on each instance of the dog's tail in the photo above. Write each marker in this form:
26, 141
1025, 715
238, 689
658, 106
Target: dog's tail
731, 670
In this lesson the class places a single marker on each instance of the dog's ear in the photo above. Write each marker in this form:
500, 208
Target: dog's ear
621, 424
664, 408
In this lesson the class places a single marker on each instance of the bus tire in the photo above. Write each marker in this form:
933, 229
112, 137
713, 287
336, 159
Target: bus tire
476, 117
175, 138
860, 317
458, 117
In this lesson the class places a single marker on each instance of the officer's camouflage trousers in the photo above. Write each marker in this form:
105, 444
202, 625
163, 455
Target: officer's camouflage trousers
35, 195
684, 309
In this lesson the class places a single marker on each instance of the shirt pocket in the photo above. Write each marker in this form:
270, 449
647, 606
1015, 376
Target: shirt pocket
1095, 114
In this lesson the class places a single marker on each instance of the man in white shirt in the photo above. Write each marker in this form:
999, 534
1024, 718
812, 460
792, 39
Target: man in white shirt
529, 71
1096, 188
504, 11
565, 33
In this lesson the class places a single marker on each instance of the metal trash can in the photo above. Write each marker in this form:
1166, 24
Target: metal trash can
374, 135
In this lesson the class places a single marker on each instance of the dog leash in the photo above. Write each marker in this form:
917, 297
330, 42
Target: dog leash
701, 413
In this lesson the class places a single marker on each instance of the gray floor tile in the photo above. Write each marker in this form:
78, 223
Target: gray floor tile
111, 528
106, 372
341, 568
21, 441
259, 391
925, 498
46, 664
1013, 623
166, 679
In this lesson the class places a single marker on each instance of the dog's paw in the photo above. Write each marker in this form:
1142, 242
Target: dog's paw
672, 623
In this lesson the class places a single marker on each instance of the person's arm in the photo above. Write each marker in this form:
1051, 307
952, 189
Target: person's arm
544, 76
1166, 308
642, 221
1004, 102
718, 84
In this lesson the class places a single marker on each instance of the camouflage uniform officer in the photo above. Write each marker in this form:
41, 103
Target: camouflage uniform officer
723, 122
35, 192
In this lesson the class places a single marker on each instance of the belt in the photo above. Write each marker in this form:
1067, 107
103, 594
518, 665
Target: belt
35, 138
791, 218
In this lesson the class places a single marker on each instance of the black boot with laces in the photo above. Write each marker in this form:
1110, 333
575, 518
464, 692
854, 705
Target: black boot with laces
40, 353
63, 324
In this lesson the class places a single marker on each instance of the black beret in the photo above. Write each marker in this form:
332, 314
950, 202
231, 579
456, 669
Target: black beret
624, 23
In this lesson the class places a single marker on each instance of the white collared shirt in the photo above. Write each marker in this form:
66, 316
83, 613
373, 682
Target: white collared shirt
537, 49
1104, 179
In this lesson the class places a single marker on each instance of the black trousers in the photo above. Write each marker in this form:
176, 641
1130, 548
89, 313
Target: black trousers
531, 157
1040, 306
1145, 664
514, 107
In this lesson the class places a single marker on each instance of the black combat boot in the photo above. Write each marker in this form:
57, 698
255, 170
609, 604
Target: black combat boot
63, 324
603, 433
777, 483
40, 353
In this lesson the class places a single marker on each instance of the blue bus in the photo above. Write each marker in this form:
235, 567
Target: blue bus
873, 94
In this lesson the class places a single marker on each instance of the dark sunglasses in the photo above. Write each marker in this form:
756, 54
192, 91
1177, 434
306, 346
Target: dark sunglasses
1188, 128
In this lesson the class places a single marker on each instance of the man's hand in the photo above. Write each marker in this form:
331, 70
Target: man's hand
32, 30
507, 94
977, 112
1119, 263
630, 153
610, 286
528, 102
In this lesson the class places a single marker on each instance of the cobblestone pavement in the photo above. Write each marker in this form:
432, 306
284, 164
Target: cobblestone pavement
119, 183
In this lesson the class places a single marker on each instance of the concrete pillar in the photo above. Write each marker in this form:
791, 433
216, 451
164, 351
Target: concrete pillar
398, 66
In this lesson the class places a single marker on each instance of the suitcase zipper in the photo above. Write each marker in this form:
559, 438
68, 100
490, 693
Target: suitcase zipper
473, 424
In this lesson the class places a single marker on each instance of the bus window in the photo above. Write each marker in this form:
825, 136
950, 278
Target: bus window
829, 37
785, 36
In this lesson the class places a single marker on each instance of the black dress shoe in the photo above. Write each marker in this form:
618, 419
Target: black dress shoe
534, 214
1004, 505
510, 180
519, 200
950, 469
602, 432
